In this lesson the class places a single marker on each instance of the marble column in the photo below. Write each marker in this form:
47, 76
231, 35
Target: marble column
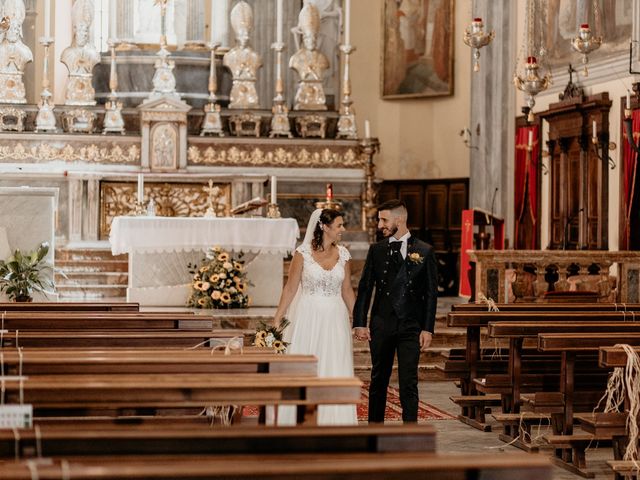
75, 209
195, 21
92, 225
493, 103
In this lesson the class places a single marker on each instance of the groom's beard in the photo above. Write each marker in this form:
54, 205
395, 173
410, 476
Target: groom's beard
389, 232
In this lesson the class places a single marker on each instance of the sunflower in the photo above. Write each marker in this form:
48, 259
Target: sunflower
241, 287
216, 295
223, 257
225, 298
238, 266
261, 335
204, 269
202, 301
279, 346
259, 343
215, 278
198, 285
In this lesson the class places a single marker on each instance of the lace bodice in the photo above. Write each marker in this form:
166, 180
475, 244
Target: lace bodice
318, 281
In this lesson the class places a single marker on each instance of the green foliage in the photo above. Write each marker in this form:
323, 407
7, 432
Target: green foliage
22, 274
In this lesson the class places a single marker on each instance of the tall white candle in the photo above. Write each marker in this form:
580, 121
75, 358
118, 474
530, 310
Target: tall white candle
367, 129
347, 22
47, 18
279, 21
211, 22
113, 20
594, 127
628, 101
274, 189
140, 188
530, 138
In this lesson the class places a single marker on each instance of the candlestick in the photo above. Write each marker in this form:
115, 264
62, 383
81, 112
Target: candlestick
530, 138
279, 21
47, 18
140, 188
367, 129
45, 119
594, 133
347, 22
274, 188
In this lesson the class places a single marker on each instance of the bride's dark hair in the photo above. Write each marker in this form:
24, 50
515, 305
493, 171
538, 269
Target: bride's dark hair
326, 218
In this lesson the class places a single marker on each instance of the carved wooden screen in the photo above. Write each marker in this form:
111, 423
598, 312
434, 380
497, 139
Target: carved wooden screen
579, 179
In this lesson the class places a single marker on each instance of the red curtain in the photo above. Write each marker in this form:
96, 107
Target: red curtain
526, 177
629, 173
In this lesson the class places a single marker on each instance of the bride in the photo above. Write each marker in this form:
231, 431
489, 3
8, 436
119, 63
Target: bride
319, 300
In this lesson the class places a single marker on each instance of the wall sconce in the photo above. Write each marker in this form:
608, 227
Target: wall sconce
465, 133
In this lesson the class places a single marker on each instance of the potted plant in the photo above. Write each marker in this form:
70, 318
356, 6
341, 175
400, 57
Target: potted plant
22, 274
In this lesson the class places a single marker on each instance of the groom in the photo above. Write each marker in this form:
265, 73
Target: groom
402, 270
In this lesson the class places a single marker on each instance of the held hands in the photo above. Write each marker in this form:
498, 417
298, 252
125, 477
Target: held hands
425, 340
362, 333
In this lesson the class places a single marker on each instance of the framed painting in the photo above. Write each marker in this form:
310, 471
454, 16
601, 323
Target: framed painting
417, 48
613, 19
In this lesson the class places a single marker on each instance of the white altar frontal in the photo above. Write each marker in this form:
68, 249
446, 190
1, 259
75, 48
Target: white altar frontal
160, 248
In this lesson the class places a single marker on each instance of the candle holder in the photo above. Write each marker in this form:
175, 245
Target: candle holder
330, 203
476, 38
280, 126
347, 120
212, 123
585, 43
598, 150
140, 209
273, 211
113, 121
45, 119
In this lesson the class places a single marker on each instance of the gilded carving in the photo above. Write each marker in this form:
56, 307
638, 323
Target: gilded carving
302, 157
170, 199
45, 152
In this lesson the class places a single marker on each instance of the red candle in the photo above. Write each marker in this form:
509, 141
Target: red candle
531, 59
329, 192
584, 25
478, 19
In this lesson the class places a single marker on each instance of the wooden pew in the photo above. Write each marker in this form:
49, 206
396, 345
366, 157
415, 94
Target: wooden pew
62, 362
475, 364
548, 307
312, 466
67, 394
201, 439
23, 321
69, 307
117, 339
569, 345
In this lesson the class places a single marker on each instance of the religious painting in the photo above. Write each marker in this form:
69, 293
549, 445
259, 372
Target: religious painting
417, 48
164, 147
611, 19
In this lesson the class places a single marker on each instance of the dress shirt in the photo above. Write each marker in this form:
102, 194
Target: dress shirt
403, 239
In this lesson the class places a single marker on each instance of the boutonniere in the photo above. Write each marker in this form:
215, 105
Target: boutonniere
416, 258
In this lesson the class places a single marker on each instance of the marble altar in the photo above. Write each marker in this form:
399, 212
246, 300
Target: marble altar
160, 248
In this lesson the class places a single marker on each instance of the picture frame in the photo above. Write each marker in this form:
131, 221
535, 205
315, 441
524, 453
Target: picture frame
417, 48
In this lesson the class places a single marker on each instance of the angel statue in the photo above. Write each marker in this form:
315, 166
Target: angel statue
14, 54
242, 60
81, 56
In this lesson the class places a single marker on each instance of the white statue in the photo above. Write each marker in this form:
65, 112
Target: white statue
81, 56
14, 54
309, 63
242, 60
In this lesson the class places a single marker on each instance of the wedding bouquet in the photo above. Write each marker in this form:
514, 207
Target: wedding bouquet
220, 282
271, 337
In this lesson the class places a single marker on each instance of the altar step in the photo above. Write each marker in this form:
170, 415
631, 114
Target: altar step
91, 274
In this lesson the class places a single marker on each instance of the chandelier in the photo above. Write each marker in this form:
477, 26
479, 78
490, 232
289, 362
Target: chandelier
529, 79
476, 38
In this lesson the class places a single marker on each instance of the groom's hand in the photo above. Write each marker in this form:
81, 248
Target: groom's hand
425, 340
362, 333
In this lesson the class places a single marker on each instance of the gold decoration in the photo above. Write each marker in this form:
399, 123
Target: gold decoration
171, 200
234, 156
45, 152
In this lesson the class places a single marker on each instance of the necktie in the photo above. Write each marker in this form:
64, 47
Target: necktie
394, 250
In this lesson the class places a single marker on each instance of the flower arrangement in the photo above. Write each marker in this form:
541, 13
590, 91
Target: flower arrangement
271, 337
220, 282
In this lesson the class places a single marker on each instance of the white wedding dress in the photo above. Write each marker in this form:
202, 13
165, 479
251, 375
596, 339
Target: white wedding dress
320, 326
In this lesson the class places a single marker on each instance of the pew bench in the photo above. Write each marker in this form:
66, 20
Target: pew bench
70, 394
313, 466
69, 307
